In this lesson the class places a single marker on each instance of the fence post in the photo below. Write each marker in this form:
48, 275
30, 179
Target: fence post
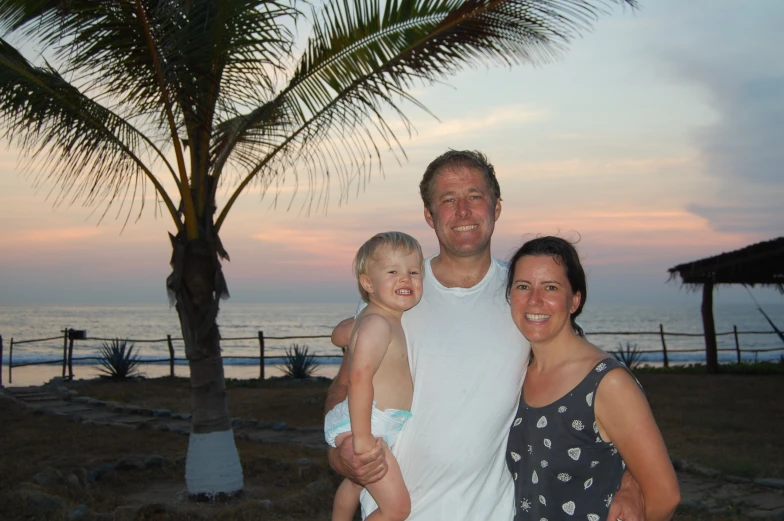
65, 350
171, 355
737, 343
70, 357
1, 360
10, 361
261, 355
664, 345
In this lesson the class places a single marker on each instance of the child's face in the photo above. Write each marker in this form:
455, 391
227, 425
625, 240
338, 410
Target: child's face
393, 279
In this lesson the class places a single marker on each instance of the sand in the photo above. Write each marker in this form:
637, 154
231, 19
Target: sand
41, 374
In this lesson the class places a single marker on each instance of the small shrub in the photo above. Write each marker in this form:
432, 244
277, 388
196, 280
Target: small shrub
299, 363
630, 355
118, 359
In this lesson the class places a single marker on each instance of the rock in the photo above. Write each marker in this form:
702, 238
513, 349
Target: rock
770, 482
303, 465
736, 479
280, 426
48, 476
264, 425
41, 506
80, 513
126, 512
154, 461
103, 517
237, 422
81, 474
72, 481
129, 463
99, 473
265, 504
317, 486
161, 413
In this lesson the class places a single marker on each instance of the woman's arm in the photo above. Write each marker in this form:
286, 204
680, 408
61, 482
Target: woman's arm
624, 417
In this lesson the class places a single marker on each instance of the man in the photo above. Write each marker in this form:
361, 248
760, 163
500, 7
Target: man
467, 361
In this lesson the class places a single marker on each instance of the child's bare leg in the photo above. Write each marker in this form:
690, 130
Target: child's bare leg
346, 501
390, 494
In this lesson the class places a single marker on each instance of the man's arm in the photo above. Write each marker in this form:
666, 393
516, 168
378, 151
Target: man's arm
341, 335
360, 468
627, 503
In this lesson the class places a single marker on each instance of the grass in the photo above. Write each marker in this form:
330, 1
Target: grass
729, 422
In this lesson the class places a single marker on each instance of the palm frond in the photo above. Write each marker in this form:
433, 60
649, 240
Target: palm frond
90, 152
362, 60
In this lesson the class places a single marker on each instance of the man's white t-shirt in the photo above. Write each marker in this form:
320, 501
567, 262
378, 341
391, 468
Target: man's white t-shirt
467, 360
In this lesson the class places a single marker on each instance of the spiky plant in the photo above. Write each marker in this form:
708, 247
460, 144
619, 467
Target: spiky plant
629, 354
299, 362
117, 360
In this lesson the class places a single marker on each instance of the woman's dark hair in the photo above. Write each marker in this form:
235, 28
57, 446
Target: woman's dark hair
563, 253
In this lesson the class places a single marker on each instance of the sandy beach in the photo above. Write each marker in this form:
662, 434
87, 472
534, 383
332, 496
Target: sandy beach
41, 374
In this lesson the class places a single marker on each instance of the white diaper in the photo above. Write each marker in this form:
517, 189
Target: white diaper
383, 424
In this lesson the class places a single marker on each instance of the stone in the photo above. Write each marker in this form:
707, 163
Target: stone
81, 474
41, 506
317, 486
130, 463
161, 413
736, 479
155, 461
80, 513
48, 476
264, 425
265, 504
72, 481
303, 465
280, 426
126, 512
770, 482
99, 473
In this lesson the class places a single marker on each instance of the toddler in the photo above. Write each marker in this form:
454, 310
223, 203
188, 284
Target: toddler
389, 275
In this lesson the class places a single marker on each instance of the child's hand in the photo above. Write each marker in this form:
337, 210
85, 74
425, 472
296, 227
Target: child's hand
363, 444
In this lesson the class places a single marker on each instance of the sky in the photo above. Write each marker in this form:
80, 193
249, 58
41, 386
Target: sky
657, 139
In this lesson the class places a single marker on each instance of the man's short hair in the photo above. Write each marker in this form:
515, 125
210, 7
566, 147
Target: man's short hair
367, 252
457, 159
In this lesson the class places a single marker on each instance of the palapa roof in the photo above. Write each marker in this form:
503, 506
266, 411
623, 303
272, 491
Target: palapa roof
761, 263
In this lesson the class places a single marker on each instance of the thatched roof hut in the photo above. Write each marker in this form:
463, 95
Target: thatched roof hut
758, 264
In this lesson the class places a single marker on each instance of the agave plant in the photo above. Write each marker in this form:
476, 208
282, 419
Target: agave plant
630, 355
299, 363
118, 360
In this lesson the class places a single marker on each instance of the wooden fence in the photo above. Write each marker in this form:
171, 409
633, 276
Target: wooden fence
72, 335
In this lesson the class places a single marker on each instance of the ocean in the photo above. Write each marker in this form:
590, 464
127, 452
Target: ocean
240, 323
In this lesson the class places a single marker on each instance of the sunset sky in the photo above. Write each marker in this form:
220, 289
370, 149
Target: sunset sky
657, 139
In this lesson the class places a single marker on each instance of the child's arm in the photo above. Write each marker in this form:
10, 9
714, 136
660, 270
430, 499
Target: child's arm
370, 343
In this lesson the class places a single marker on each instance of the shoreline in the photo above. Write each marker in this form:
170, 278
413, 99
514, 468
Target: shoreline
41, 374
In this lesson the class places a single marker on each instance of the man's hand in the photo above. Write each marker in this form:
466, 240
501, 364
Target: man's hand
627, 504
364, 468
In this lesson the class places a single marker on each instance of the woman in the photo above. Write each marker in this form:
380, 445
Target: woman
582, 419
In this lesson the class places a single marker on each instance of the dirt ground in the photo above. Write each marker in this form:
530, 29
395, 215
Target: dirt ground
730, 422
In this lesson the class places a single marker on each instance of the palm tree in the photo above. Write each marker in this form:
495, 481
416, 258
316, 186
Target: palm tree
184, 96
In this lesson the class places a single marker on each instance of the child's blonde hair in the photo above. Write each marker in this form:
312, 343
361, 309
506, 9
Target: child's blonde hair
395, 241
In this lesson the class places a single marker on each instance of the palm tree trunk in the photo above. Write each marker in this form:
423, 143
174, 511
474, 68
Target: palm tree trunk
212, 469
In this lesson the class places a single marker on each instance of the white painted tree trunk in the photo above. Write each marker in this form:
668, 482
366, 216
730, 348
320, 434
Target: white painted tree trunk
212, 466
